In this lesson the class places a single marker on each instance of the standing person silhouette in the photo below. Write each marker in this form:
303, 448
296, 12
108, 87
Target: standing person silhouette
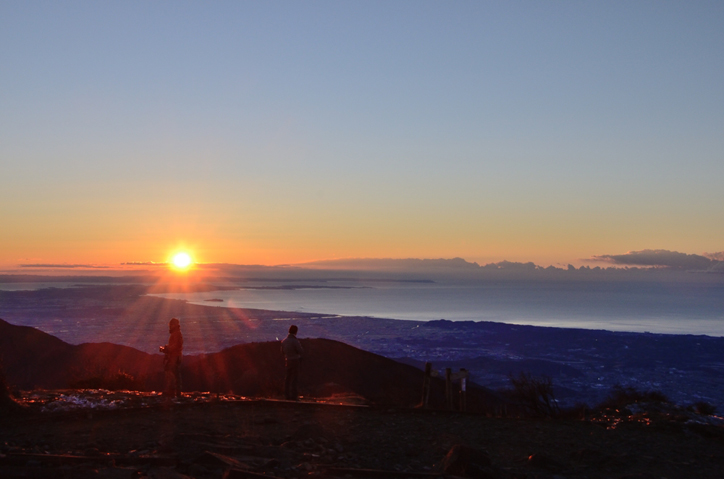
172, 359
292, 349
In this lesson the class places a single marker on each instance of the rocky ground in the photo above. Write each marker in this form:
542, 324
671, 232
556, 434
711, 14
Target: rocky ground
96, 434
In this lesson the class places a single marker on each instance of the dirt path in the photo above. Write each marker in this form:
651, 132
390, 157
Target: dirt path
290, 440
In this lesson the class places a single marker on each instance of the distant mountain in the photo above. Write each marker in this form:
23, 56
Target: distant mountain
34, 359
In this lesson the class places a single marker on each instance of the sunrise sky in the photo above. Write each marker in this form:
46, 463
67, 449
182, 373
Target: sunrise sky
284, 132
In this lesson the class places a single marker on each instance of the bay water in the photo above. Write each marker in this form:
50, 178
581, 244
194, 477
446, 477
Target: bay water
657, 307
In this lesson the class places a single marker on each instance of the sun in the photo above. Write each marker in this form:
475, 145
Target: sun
181, 260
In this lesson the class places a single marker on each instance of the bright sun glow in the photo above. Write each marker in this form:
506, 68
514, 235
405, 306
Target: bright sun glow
181, 260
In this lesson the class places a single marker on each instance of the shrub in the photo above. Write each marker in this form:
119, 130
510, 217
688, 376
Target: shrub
7, 403
535, 395
577, 411
703, 407
620, 397
4, 390
120, 380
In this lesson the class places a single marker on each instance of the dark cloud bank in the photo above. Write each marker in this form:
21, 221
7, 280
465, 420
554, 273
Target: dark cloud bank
636, 260
661, 258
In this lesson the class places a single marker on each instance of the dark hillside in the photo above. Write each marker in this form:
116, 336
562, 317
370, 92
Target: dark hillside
34, 359
328, 367
23, 349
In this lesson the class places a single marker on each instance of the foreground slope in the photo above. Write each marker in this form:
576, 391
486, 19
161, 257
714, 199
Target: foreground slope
281, 439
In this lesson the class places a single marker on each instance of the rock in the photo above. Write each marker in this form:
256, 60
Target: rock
198, 470
308, 431
93, 452
265, 420
542, 461
590, 457
116, 473
215, 460
468, 462
166, 473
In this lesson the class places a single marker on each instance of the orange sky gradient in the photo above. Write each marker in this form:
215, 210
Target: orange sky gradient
251, 134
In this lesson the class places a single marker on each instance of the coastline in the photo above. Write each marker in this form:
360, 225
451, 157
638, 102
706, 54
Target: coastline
583, 364
647, 308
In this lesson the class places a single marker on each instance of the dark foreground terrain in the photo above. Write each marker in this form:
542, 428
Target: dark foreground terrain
216, 438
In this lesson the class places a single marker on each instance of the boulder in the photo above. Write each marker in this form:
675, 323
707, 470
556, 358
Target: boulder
467, 461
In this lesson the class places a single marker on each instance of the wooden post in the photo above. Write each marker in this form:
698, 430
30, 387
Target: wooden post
463, 389
448, 389
426, 386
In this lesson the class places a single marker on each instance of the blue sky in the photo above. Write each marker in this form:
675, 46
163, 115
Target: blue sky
273, 132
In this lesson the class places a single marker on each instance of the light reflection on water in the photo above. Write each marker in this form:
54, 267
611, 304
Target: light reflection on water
36, 286
621, 306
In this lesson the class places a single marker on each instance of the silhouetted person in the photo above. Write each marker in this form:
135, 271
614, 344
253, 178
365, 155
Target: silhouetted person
172, 359
292, 349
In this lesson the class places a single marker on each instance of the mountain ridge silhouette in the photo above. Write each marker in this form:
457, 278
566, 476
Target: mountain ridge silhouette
33, 359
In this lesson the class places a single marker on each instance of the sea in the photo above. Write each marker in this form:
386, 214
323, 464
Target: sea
636, 306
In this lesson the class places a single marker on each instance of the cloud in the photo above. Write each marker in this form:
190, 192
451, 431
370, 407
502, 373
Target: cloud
391, 264
143, 263
660, 258
715, 256
512, 266
92, 266
717, 267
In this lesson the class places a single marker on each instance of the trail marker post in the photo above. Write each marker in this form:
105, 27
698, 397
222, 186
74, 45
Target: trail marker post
426, 386
452, 378
463, 389
448, 389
